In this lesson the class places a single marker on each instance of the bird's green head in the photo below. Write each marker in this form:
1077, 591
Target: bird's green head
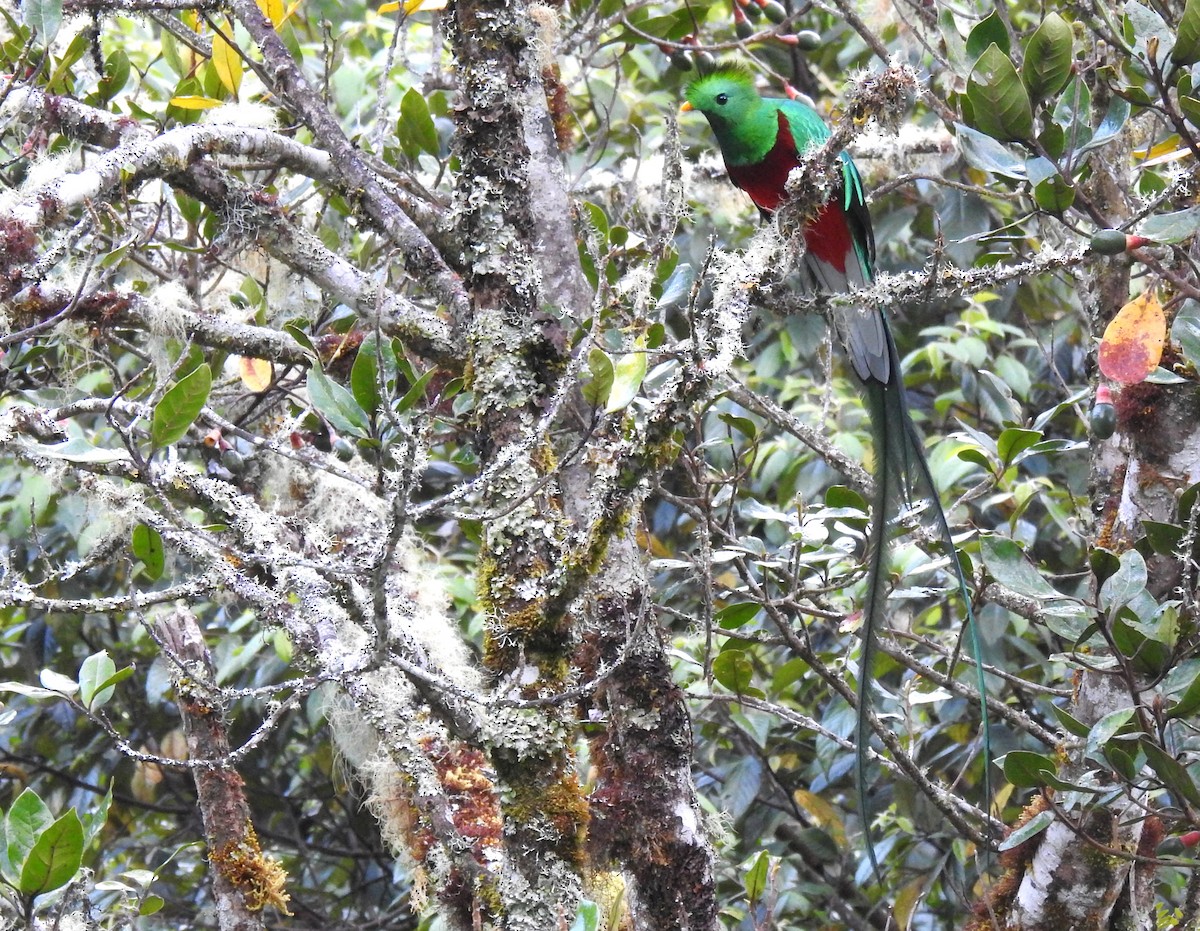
726, 95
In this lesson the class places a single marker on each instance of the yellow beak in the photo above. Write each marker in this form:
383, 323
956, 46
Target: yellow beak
686, 107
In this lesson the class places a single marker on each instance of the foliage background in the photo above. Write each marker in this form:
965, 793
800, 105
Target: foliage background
989, 188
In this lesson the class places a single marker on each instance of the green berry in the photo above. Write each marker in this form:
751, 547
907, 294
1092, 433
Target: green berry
1109, 242
1103, 420
808, 40
775, 11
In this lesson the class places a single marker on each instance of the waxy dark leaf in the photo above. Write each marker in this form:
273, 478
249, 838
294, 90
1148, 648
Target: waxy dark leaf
1048, 57
998, 98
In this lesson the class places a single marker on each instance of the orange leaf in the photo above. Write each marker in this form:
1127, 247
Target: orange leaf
1133, 340
256, 373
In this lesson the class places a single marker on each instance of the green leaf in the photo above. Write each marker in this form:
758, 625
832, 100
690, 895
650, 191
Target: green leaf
988, 31
599, 388
364, 377
1048, 57
148, 547
1172, 227
998, 98
1147, 24
1070, 723
985, 153
1031, 828
1013, 440
1187, 35
26, 820
1161, 537
55, 858
416, 392
96, 816
587, 918
1112, 124
416, 128
736, 615
153, 903
1107, 728
1008, 565
336, 404
1026, 769
1188, 702
1073, 113
734, 671
1122, 762
116, 75
296, 332
1172, 773
1055, 194
180, 406
94, 675
1103, 564
43, 16
755, 882
1126, 583
628, 374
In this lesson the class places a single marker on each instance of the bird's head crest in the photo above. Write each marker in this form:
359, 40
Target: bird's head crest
725, 92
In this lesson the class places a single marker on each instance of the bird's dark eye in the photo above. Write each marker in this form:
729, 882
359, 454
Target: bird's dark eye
721, 99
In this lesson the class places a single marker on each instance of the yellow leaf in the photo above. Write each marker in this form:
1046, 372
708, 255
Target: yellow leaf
1170, 149
256, 373
1133, 340
272, 10
824, 814
907, 900
391, 7
423, 6
290, 10
194, 103
228, 62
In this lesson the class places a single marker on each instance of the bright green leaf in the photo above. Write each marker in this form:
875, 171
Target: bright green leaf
416, 125
96, 670
734, 671
55, 858
148, 547
736, 615
364, 377
988, 31
26, 820
755, 882
628, 375
180, 406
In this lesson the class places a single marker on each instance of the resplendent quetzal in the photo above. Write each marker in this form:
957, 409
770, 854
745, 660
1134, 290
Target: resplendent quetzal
762, 140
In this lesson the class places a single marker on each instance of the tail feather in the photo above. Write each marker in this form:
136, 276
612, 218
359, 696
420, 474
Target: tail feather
902, 477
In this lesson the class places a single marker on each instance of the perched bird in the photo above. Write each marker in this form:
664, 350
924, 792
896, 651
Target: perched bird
762, 139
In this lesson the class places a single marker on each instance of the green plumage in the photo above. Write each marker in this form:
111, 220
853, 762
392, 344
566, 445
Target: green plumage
761, 140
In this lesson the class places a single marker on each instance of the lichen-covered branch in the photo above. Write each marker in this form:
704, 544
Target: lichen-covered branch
245, 879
